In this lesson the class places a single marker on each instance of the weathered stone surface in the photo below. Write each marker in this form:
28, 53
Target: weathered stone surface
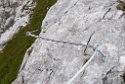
13, 16
75, 21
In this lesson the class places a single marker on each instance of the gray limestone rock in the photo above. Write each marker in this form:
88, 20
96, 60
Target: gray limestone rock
50, 62
14, 14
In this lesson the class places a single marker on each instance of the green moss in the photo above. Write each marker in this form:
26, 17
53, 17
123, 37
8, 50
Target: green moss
121, 6
123, 13
12, 55
84, 53
86, 60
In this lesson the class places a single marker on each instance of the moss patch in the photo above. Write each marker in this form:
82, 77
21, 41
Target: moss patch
121, 6
12, 55
86, 60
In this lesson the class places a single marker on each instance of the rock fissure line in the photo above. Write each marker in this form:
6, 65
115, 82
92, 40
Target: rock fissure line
106, 13
50, 76
88, 43
105, 77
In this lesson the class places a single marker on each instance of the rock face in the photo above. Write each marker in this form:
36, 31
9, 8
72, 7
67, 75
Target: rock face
13, 16
48, 62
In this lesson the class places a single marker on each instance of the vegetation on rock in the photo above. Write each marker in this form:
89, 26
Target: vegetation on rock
12, 55
121, 6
